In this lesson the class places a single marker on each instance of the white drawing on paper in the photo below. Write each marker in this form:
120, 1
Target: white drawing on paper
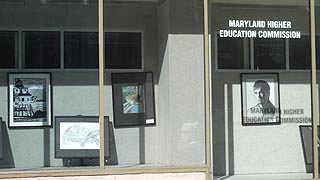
79, 135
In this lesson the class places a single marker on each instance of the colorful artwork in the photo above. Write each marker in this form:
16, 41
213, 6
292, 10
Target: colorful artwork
132, 99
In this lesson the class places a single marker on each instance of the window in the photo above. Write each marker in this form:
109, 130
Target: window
299, 53
81, 50
269, 54
233, 53
123, 50
42, 49
8, 49
241, 53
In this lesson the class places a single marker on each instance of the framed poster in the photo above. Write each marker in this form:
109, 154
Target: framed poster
79, 136
29, 100
133, 99
260, 99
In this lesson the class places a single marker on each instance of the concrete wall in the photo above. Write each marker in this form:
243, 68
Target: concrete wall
173, 51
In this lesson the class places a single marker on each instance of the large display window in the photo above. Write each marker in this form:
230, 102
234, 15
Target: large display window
262, 101
62, 71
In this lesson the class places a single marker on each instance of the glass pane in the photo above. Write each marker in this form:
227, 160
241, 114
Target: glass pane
233, 53
53, 119
269, 54
42, 49
123, 50
299, 53
81, 50
8, 49
172, 50
261, 118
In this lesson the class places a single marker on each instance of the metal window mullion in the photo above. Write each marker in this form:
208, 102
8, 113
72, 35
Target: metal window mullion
314, 91
287, 53
61, 49
21, 40
251, 51
101, 84
207, 89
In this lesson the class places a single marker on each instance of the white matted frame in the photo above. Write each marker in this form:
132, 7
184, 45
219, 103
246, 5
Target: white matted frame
260, 98
29, 100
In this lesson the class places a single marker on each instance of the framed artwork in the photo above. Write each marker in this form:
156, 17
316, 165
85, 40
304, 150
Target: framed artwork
29, 100
133, 99
260, 99
79, 136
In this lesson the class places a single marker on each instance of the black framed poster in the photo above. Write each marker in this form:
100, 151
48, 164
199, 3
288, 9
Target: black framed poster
133, 99
29, 100
260, 99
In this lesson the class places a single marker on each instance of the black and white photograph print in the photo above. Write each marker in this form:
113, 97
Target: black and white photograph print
260, 99
29, 99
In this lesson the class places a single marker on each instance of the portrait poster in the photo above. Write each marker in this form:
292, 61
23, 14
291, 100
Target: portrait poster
260, 99
29, 99
133, 99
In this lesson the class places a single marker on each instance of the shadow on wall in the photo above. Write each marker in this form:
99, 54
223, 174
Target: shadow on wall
6, 160
111, 160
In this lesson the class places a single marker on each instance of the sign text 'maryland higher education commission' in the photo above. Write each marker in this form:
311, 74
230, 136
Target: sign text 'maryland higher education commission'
282, 29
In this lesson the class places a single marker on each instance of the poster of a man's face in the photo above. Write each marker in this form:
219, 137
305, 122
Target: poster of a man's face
260, 99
